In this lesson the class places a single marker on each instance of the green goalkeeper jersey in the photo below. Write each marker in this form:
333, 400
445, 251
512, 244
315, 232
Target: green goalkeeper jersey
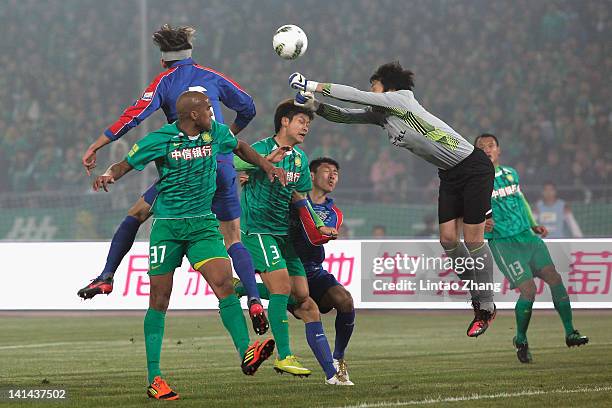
187, 167
265, 205
511, 212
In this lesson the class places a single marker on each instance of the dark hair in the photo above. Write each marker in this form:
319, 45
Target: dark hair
393, 76
492, 136
169, 38
378, 226
287, 109
550, 183
316, 163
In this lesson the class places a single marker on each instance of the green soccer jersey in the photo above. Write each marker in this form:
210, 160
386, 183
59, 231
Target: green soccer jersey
511, 212
265, 205
187, 167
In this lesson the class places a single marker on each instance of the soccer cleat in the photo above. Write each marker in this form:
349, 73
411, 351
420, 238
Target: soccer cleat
258, 317
482, 320
291, 365
338, 379
96, 287
255, 355
160, 390
575, 339
522, 351
341, 368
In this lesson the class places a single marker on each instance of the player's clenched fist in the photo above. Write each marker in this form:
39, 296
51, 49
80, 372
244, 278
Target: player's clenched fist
329, 231
299, 82
306, 100
103, 181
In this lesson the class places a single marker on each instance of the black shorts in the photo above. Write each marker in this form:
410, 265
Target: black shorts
465, 190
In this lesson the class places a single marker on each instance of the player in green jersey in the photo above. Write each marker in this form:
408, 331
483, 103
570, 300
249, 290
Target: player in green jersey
520, 253
265, 233
185, 156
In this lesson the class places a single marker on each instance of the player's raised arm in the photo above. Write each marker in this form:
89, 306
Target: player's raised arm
343, 92
235, 98
112, 174
335, 113
149, 102
249, 155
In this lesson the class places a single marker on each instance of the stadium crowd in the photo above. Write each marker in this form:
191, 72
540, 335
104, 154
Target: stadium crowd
536, 74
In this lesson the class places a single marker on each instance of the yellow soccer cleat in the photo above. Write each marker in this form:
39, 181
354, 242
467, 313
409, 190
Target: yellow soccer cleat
291, 365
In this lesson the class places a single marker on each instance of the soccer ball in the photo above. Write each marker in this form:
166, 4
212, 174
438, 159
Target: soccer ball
290, 41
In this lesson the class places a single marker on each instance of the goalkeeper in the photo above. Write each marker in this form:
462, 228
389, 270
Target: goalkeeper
466, 174
520, 253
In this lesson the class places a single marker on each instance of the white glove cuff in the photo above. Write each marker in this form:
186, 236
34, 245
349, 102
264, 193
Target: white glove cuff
311, 86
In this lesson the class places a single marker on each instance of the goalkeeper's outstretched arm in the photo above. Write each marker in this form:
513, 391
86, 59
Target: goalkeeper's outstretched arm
335, 113
343, 115
389, 100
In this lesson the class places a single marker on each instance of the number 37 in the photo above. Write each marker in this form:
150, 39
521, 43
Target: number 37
157, 251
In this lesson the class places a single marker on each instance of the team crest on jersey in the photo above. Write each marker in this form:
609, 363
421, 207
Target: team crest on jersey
147, 96
509, 177
206, 137
298, 161
323, 214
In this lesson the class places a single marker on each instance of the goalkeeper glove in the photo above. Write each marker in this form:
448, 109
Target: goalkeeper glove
299, 82
306, 100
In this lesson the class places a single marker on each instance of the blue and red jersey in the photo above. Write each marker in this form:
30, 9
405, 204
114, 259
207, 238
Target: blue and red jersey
165, 89
306, 238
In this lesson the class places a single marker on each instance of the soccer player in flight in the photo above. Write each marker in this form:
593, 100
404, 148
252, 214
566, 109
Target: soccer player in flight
265, 232
520, 253
185, 154
182, 74
466, 174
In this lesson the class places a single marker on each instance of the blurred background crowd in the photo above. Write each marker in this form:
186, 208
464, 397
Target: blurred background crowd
536, 74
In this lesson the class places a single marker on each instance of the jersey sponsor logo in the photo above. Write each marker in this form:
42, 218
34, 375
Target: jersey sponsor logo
505, 191
293, 176
147, 96
206, 137
133, 150
192, 153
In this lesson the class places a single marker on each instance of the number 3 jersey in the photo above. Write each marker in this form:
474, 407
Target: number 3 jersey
265, 204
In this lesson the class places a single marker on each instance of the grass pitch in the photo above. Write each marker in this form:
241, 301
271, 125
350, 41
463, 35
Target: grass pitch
395, 359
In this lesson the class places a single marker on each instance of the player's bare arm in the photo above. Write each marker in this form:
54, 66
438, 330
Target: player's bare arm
323, 229
112, 174
249, 155
89, 158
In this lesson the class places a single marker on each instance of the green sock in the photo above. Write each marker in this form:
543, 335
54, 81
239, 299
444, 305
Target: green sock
264, 293
154, 323
279, 322
563, 306
522, 312
234, 322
